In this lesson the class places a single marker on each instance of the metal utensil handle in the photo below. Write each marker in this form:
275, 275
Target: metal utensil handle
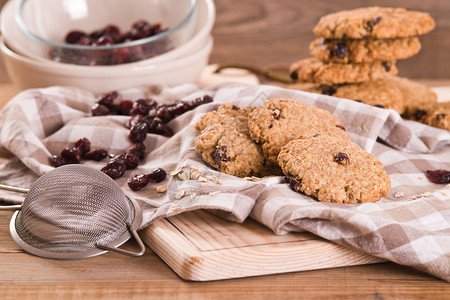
126, 252
12, 189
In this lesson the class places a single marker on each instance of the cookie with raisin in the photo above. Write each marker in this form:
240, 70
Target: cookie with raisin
281, 120
332, 169
364, 50
374, 22
224, 143
381, 93
436, 115
314, 70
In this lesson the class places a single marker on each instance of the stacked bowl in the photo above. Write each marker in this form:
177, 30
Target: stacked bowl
103, 45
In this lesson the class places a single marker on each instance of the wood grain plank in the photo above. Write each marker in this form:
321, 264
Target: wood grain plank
223, 252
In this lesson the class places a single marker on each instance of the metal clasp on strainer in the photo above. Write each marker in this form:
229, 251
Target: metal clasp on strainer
75, 212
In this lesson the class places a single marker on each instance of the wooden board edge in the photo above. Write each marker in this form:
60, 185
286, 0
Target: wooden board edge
191, 264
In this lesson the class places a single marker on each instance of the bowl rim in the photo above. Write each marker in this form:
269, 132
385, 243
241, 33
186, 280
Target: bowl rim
24, 29
103, 71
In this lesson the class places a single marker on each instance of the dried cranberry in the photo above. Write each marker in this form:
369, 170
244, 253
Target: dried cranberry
142, 107
138, 132
74, 36
439, 176
71, 155
163, 113
84, 145
131, 160
96, 155
138, 182
112, 31
115, 168
108, 98
339, 50
57, 161
342, 158
125, 107
157, 175
157, 126
138, 150
135, 120
100, 110
104, 41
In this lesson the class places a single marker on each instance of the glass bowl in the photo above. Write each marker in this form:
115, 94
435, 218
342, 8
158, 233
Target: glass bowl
104, 32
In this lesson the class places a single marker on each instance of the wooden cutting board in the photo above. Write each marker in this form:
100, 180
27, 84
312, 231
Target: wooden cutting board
200, 246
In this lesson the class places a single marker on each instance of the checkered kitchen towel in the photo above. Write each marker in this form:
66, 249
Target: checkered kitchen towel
410, 226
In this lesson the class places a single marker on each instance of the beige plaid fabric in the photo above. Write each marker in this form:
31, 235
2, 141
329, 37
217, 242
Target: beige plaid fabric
411, 226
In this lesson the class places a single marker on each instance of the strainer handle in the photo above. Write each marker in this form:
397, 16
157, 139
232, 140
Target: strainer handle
126, 252
12, 189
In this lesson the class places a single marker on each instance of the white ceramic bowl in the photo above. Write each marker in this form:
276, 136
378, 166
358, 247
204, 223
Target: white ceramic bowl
45, 23
28, 73
204, 18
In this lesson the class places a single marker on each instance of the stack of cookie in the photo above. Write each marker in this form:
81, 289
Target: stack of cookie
355, 56
308, 145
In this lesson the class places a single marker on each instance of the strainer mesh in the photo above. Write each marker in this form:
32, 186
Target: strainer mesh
72, 208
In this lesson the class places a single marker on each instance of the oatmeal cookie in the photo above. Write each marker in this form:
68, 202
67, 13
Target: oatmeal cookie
375, 22
436, 115
380, 93
316, 71
282, 120
224, 142
416, 96
364, 50
333, 170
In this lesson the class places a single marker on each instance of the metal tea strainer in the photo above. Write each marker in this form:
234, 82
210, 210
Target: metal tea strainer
75, 212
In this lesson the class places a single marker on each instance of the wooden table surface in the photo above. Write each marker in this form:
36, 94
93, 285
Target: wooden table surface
114, 276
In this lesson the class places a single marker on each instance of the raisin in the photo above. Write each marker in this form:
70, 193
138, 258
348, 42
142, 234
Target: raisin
386, 66
379, 105
329, 90
294, 75
420, 113
276, 114
372, 23
135, 120
340, 127
440, 116
219, 155
339, 50
294, 184
342, 158
438, 176
96, 155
